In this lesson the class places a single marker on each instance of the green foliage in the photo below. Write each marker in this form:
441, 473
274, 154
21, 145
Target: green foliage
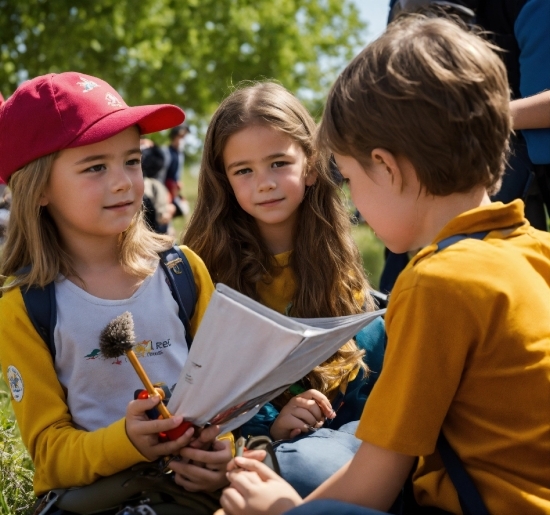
180, 51
372, 252
16, 470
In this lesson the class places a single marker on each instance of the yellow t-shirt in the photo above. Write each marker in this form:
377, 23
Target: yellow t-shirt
469, 351
278, 293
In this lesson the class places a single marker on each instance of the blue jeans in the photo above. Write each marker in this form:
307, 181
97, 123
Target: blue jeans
308, 460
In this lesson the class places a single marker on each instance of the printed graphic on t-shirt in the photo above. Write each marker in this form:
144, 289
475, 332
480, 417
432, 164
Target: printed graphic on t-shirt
96, 353
142, 349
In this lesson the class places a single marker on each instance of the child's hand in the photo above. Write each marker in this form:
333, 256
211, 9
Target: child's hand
143, 432
256, 489
206, 438
302, 413
203, 470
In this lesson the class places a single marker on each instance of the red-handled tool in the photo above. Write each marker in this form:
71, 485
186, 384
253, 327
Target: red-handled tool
176, 432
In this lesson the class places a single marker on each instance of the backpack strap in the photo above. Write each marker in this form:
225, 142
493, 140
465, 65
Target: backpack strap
470, 500
468, 495
182, 285
451, 240
42, 310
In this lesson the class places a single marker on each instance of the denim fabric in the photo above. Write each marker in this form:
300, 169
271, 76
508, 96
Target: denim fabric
309, 459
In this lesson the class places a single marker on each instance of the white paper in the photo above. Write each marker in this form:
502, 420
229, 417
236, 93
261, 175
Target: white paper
245, 354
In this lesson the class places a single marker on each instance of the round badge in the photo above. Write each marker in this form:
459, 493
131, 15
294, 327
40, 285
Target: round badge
16, 383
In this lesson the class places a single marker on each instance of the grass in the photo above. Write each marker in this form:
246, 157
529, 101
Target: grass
372, 252
16, 470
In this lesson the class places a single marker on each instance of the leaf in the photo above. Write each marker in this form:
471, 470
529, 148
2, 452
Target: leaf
185, 52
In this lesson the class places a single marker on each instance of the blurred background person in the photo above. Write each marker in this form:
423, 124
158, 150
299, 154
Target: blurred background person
157, 202
174, 159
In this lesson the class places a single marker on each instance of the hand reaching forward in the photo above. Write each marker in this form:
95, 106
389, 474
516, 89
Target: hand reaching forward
302, 413
255, 489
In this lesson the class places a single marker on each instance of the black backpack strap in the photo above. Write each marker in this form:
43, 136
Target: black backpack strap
182, 285
470, 500
447, 242
42, 311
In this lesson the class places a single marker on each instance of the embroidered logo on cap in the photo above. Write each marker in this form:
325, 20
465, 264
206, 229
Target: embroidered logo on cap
87, 84
16, 383
112, 100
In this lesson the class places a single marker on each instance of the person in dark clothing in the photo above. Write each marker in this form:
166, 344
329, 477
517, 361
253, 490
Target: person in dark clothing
173, 167
158, 209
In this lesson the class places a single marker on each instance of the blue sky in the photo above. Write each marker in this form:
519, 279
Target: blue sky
375, 13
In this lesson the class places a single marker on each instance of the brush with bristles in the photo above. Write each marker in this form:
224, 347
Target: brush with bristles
118, 338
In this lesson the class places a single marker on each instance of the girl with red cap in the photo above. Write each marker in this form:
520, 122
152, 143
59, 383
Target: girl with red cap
70, 151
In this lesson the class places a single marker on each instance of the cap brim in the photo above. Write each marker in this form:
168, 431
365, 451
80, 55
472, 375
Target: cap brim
149, 118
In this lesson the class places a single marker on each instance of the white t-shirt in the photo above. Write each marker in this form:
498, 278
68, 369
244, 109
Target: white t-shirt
98, 389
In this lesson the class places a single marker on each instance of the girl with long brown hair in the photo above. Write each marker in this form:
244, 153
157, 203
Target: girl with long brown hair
270, 223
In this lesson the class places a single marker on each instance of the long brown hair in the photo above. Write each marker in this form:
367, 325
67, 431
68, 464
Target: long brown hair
330, 280
33, 238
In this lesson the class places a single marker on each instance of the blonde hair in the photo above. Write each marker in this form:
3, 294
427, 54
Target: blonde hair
33, 240
430, 91
325, 259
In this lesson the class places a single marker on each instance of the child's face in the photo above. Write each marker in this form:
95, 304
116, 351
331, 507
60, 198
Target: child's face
266, 170
95, 190
393, 210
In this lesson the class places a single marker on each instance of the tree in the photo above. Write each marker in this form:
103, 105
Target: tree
185, 52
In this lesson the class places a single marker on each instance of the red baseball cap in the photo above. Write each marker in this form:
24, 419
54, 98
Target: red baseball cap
67, 110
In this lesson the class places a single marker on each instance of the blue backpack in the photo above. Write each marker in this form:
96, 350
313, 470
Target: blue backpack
41, 305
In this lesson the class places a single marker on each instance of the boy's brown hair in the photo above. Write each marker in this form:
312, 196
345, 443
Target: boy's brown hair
432, 92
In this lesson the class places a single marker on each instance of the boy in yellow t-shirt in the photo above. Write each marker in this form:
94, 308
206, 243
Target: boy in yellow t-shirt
419, 124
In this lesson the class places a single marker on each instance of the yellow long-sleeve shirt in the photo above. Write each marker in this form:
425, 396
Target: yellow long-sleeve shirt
63, 455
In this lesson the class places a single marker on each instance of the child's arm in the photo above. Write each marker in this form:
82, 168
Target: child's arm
63, 455
373, 478
301, 414
204, 285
